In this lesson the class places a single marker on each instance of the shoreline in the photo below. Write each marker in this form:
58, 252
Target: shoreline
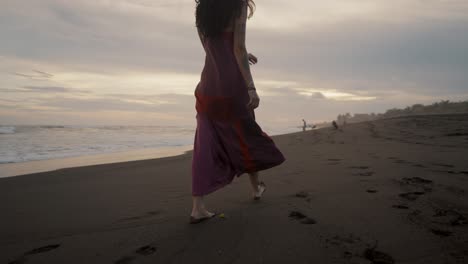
8, 170
16, 169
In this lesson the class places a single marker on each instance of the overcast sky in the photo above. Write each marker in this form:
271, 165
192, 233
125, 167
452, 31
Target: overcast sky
138, 61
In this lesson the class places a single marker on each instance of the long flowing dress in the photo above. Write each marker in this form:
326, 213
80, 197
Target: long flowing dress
228, 141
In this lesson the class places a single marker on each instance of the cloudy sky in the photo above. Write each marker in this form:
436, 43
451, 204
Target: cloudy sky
138, 61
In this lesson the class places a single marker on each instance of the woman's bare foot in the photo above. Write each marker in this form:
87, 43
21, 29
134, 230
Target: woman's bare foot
199, 210
198, 217
202, 214
261, 188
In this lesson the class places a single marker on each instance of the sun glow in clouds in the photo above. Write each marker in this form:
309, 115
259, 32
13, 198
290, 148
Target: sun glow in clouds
335, 95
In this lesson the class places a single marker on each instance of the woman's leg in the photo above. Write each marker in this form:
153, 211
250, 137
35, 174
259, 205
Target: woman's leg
199, 209
254, 181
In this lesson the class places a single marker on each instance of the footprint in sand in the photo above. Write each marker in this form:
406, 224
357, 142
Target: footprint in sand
35, 251
17, 261
400, 206
449, 217
333, 161
42, 249
378, 257
417, 181
304, 219
357, 249
297, 215
304, 195
153, 212
457, 134
359, 167
442, 233
366, 174
142, 251
146, 250
452, 172
441, 222
412, 196
308, 221
344, 240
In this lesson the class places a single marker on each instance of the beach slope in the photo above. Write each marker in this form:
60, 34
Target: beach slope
389, 191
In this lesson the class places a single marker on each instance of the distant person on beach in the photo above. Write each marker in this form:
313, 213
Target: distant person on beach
228, 141
304, 126
335, 125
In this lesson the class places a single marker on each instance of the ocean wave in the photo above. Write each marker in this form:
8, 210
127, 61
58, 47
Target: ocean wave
7, 129
50, 126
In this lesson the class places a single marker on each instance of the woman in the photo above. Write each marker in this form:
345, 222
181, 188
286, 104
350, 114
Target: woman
228, 141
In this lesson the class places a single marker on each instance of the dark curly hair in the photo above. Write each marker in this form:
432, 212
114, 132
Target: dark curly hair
212, 16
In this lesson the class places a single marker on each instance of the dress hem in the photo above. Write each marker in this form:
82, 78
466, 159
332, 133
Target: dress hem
238, 174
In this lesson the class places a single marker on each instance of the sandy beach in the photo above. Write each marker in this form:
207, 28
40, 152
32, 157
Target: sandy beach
388, 191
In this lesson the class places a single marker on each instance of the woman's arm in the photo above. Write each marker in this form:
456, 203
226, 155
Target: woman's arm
242, 57
240, 50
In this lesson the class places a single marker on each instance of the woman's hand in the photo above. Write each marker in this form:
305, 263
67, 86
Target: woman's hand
252, 59
254, 99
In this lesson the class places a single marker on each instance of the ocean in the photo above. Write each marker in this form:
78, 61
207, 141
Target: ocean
30, 143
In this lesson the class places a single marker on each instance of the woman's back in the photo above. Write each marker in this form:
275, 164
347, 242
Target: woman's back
222, 88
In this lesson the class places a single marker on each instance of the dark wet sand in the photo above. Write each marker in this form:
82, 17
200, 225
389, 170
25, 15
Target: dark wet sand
390, 191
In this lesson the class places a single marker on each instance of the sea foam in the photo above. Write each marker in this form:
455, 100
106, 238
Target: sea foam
7, 129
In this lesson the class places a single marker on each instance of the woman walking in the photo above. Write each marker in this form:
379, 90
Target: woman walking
228, 141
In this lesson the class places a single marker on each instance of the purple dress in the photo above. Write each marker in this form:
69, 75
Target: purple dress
228, 142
